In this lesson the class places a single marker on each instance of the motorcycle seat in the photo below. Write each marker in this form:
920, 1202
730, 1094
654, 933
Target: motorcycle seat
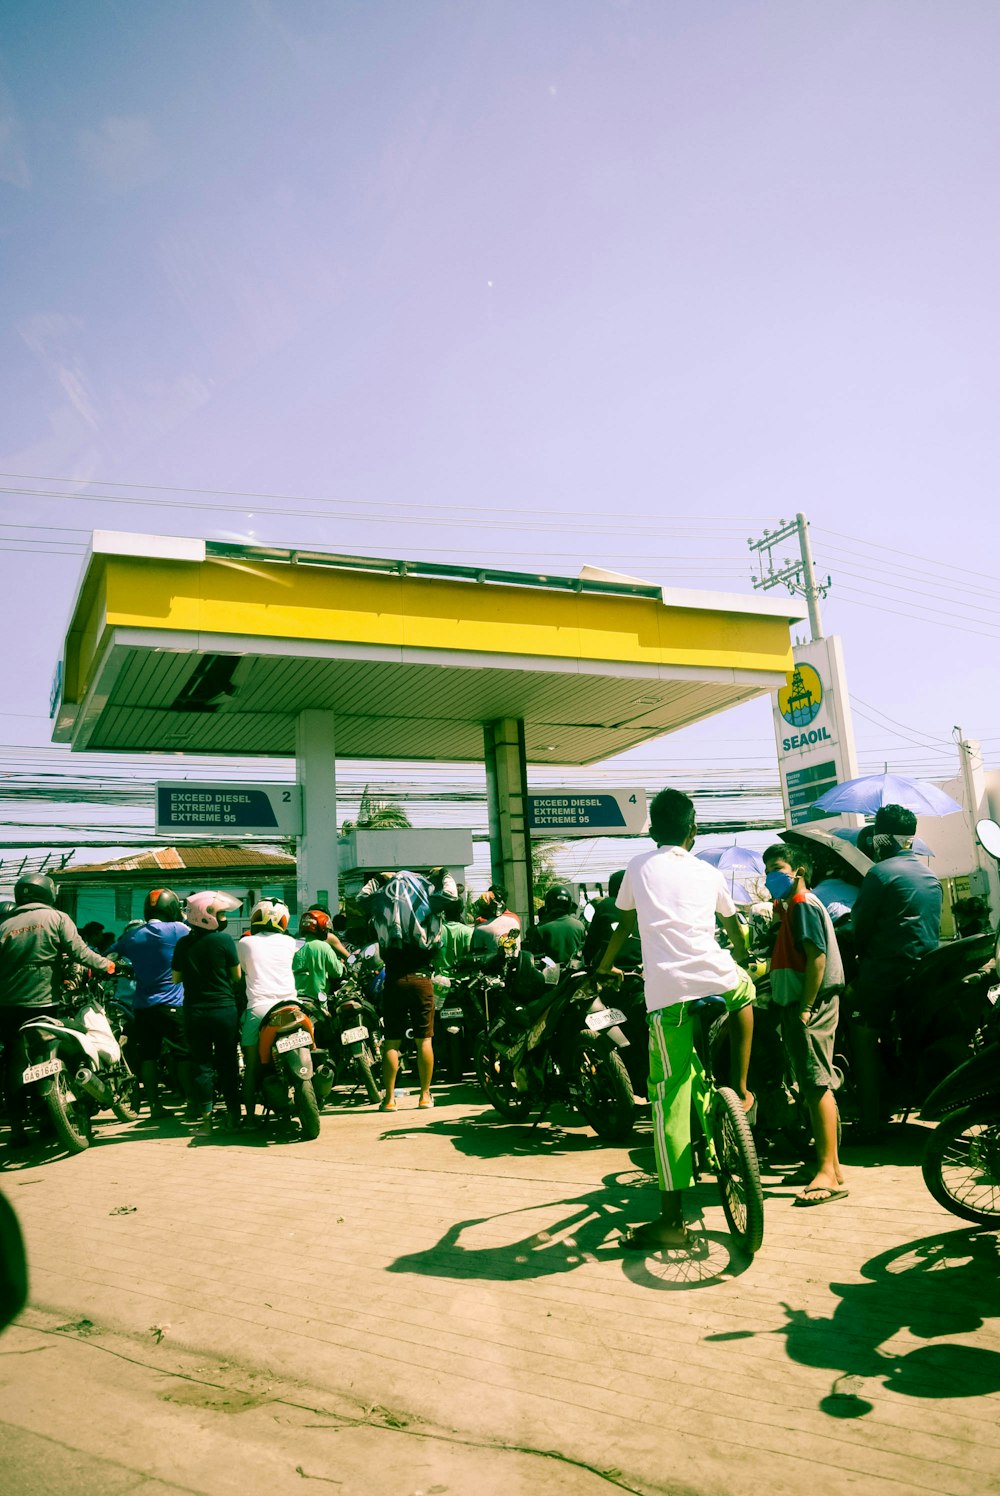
524, 1017
707, 1005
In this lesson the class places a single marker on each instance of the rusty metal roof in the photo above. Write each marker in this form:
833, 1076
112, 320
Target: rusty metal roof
192, 858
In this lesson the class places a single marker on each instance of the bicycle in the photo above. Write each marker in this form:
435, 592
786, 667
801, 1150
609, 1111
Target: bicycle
721, 1139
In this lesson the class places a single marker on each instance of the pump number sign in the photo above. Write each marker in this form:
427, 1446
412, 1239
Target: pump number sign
602, 812
228, 809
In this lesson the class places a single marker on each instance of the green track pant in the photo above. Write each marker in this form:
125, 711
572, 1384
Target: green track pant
676, 1079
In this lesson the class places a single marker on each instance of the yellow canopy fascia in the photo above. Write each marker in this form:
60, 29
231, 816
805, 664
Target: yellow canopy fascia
262, 600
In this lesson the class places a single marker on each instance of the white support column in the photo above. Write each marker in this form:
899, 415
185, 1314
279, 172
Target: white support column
316, 772
975, 806
507, 792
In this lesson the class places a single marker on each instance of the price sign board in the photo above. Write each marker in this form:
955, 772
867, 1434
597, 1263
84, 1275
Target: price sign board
227, 809
813, 731
564, 813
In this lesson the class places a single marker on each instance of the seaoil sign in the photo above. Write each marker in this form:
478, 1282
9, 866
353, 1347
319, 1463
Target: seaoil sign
799, 702
806, 739
815, 749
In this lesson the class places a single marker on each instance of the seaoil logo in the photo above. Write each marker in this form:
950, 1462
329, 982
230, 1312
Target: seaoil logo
801, 698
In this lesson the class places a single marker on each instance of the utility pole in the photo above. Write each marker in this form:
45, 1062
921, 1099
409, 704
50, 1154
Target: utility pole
798, 576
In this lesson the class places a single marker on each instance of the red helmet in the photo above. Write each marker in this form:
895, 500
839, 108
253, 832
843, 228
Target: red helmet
315, 922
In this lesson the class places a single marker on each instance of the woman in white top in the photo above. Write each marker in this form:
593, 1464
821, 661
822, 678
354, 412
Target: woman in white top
266, 958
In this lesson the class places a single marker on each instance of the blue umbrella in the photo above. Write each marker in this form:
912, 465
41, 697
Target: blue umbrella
733, 861
868, 794
851, 834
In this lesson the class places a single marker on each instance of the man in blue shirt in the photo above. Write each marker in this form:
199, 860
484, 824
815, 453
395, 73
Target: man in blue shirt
896, 919
156, 1007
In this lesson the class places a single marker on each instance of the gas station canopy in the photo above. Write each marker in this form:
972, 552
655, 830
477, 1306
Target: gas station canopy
210, 647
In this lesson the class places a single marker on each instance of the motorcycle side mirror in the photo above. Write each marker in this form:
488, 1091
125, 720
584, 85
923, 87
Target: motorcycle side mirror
13, 1265
988, 833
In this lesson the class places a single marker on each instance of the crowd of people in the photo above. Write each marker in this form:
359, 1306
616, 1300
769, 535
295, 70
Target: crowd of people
198, 987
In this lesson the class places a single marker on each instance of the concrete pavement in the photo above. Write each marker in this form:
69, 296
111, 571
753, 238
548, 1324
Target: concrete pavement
432, 1301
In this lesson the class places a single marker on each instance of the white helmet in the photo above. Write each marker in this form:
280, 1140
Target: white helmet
202, 910
269, 914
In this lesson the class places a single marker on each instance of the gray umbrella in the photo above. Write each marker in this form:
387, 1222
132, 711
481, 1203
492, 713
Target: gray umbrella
844, 858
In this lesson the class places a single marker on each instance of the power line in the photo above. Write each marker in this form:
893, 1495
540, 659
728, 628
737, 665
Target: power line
932, 561
871, 567
961, 628
942, 742
695, 522
951, 596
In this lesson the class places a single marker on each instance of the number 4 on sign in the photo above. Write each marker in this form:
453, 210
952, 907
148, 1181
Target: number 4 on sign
632, 800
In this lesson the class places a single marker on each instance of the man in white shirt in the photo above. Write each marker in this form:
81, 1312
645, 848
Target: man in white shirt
672, 899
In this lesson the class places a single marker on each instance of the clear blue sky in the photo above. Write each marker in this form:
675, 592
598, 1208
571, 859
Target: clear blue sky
530, 281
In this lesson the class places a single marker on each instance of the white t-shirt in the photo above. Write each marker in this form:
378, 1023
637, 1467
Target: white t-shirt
677, 897
267, 964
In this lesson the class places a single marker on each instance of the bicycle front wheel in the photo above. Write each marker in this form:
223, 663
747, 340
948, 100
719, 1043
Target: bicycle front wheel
738, 1170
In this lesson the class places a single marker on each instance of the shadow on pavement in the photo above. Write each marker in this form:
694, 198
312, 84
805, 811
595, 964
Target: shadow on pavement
586, 1229
41, 1149
485, 1137
938, 1286
902, 1145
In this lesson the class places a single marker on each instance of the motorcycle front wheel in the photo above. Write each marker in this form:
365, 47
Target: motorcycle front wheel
603, 1093
306, 1108
961, 1165
69, 1116
496, 1076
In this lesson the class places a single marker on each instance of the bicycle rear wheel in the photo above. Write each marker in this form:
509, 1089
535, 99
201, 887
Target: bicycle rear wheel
738, 1170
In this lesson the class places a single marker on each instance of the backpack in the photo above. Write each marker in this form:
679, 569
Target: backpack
403, 917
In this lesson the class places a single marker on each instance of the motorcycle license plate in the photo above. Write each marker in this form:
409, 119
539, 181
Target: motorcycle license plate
354, 1035
299, 1040
39, 1072
447, 1013
604, 1018
993, 995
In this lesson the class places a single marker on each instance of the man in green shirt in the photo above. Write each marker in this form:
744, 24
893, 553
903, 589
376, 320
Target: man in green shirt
456, 937
316, 966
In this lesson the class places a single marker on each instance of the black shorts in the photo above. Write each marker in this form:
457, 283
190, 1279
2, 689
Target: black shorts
408, 1003
151, 1026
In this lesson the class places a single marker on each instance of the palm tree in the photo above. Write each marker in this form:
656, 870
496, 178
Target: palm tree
543, 866
377, 815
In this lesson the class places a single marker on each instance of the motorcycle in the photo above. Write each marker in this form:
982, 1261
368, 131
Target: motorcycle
630, 997
173, 1064
467, 1003
75, 1067
355, 1043
556, 1039
961, 1165
294, 1078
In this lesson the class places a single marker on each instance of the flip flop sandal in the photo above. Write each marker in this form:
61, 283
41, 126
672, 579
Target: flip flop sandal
387, 1106
825, 1196
423, 1105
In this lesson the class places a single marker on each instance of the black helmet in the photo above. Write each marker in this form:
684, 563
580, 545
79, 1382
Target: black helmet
558, 899
162, 903
6, 908
35, 888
